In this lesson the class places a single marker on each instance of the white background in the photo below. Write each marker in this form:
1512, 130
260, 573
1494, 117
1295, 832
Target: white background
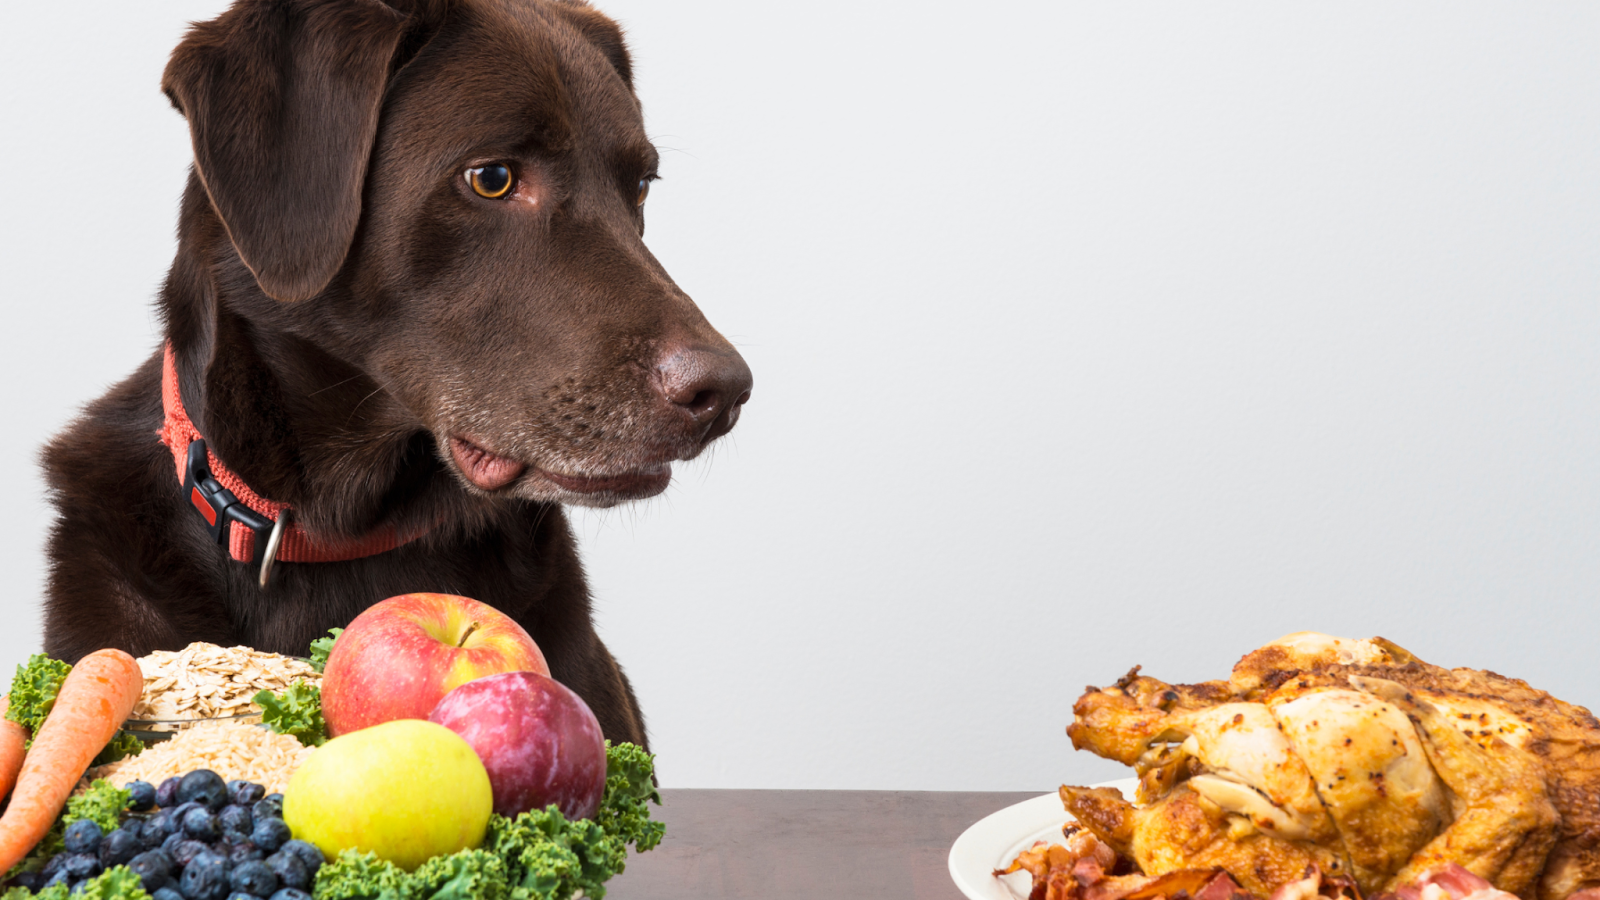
1085, 335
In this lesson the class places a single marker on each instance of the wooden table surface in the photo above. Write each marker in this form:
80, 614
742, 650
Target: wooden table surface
805, 845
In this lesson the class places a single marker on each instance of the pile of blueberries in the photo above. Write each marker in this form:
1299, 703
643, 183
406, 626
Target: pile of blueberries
193, 838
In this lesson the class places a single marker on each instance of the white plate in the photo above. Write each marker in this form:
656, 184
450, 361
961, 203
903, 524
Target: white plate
995, 840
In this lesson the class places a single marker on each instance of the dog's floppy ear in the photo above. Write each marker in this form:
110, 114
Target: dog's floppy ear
600, 31
282, 99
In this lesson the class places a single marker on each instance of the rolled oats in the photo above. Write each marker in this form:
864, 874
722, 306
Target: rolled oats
205, 681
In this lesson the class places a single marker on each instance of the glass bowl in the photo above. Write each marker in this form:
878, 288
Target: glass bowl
152, 731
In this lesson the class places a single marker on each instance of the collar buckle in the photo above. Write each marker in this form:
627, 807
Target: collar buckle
217, 505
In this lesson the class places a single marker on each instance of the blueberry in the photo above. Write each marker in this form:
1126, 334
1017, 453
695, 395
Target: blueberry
235, 818
82, 836
154, 868
287, 893
205, 878
268, 808
33, 881
246, 793
308, 853
166, 893
244, 851
204, 786
200, 824
81, 865
54, 864
270, 834
154, 830
187, 851
217, 858
176, 814
133, 825
60, 877
254, 877
144, 795
118, 847
167, 793
289, 869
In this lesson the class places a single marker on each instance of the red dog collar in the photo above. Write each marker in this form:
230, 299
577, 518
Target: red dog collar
225, 501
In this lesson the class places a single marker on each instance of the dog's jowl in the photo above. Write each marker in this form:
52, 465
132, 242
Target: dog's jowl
411, 315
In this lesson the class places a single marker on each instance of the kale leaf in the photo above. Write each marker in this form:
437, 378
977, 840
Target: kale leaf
297, 711
630, 785
321, 647
361, 876
34, 690
468, 875
103, 802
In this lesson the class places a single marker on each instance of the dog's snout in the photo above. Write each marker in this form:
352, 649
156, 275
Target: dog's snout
709, 385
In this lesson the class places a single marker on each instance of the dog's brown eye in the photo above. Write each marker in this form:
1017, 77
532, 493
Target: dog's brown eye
644, 191
492, 181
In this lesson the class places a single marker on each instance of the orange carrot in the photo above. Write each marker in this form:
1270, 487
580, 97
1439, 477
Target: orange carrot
95, 699
13, 740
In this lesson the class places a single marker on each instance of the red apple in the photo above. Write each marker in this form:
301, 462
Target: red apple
538, 740
400, 656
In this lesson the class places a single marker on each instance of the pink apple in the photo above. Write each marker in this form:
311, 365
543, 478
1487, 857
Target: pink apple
539, 741
400, 656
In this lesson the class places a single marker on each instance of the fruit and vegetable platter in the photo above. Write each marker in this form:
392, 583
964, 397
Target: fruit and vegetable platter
422, 753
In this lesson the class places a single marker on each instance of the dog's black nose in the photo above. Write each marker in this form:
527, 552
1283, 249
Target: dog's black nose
708, 384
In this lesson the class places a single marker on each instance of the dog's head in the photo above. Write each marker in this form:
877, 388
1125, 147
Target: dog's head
449, 195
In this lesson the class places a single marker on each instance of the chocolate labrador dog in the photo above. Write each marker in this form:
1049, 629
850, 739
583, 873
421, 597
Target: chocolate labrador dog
411, 315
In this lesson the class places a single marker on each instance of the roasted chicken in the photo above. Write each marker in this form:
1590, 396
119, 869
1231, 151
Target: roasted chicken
1351, 756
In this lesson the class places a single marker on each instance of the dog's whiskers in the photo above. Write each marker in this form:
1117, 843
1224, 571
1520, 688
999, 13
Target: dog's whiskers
357, 407
334, 385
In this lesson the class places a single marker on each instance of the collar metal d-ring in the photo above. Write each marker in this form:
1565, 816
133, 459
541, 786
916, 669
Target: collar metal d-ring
270, 554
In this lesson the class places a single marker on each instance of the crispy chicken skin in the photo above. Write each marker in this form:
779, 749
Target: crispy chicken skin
1352, 755
1184, 831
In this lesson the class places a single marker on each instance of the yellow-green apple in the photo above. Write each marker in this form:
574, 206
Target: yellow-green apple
539, 741
406, 790
399, 657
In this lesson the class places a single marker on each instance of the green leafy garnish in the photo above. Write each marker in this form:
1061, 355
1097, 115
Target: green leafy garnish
630, 786
115, 883
103, 802
297, 711
539, 855
34, 690
122, 746
551, 857
468, 875
321, 647
361, 876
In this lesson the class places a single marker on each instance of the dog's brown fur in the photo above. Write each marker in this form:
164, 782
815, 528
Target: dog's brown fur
343, 307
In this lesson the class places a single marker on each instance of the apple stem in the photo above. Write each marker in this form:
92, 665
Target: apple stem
464, 637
